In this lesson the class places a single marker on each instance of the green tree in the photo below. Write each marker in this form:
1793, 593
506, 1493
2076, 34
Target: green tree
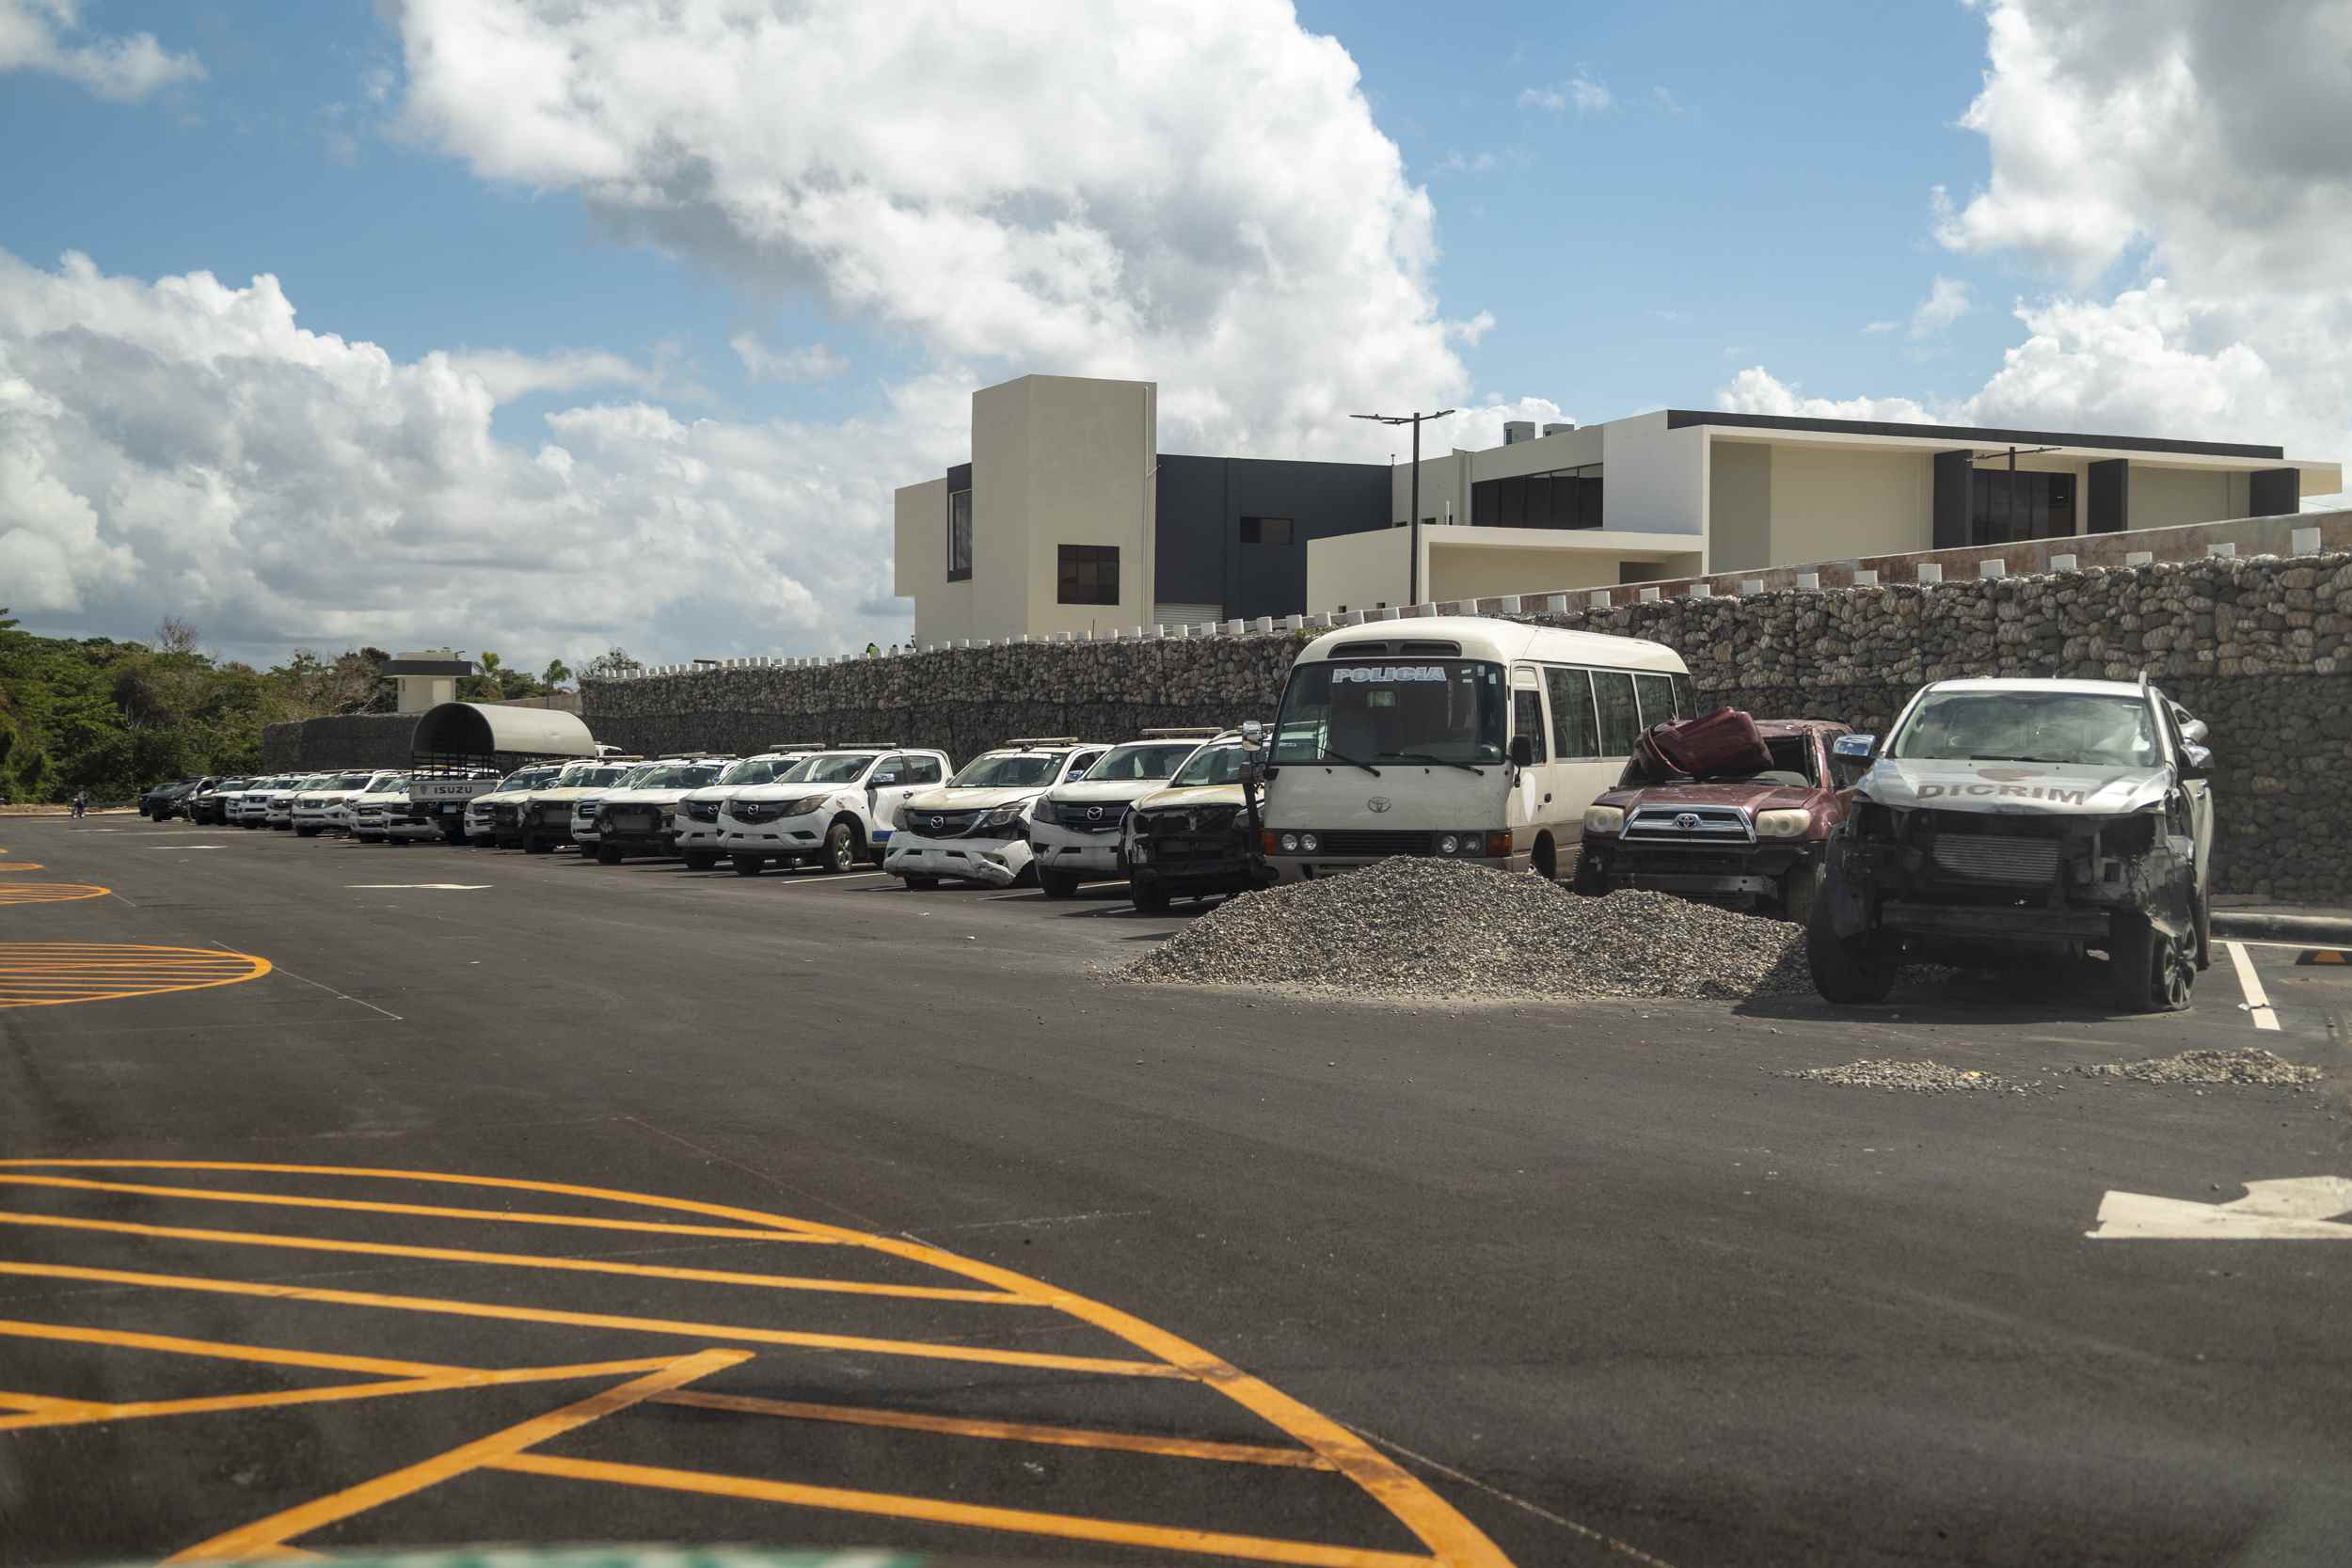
556, 675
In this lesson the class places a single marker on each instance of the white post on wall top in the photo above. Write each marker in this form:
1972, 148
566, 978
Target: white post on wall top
1649, 595
1931, 573
1988, 570
1600, 599
2304, 541
2139, 557
1751, 585
2062, 563
2221, 552
1808, 582
1865, 578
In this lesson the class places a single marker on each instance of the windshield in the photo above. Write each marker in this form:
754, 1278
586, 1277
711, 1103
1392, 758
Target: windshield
1213, 764
1149, 759
349, 781
390, 784
1792, 767
1440, 710
674, 775
836, 770
2097, 729
1008, 770
752, 770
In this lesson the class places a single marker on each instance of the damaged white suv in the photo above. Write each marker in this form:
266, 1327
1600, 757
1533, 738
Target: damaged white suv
2008, 821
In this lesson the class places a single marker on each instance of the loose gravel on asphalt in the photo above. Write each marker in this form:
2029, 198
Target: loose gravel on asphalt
1913, 1078
2246, 1065
1423, 928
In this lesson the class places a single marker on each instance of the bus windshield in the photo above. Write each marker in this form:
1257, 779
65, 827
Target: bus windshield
1425, 710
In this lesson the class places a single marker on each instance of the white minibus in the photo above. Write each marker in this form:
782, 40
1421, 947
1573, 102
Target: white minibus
1459, 736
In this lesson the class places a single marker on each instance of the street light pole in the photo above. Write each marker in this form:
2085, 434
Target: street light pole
1412, 521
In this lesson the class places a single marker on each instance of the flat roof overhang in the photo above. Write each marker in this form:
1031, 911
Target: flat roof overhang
1962, 435
1637, 544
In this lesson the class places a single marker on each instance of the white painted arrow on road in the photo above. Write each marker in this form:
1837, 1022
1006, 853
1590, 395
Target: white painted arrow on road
432, 887
2291, 1208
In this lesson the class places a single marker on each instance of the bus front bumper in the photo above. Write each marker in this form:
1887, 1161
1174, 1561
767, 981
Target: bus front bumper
1306, 868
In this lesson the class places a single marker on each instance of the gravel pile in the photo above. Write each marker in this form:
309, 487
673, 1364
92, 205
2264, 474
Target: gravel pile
1438, 929
1913, 1078
2246, 1065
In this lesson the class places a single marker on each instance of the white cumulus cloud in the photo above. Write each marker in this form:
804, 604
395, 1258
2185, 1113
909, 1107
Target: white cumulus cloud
186, 447
49, 36
810, 362
2182, 175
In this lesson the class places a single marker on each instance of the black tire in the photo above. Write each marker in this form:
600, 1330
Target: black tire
1589, 881
843, 847
608, 854
1545, 861
2204, 935
920, 884
1801, 889
1057, 884
749, 865
1845, 969
2148, 972
306, 832
699, 860
1151, 897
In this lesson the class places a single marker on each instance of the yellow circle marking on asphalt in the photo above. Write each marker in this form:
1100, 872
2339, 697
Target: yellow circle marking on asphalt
981, 1317
47, 893
53, 974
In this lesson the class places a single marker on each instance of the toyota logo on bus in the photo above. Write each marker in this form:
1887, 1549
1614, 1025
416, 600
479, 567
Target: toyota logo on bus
1377, 805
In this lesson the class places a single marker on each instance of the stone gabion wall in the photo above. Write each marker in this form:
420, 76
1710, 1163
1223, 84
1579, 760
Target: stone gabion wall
2261, 649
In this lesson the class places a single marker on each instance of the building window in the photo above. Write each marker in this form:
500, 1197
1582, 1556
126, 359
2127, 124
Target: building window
1566, 497
1090, 574
959, 536
2004, 507
1265, 531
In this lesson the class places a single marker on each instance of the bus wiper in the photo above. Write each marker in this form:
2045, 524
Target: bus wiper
1330, 755
1442, 762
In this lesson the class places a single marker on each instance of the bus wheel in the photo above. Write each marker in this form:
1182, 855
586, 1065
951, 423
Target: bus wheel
1546, 860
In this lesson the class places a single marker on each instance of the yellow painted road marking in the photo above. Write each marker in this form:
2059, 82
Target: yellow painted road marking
264, 1534
21, 865
803, 1339
428, 1210
220, 1350
1067, 1526
517, 1260
47, 893
1453, 1539
50, 974
85, 1414
1017, 1432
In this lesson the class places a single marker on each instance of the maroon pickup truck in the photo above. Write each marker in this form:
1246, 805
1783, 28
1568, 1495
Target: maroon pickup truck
1751, 837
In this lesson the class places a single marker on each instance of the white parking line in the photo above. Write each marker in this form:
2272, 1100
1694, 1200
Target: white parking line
2257, 999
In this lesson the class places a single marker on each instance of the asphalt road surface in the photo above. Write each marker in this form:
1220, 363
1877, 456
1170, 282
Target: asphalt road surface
355, 1195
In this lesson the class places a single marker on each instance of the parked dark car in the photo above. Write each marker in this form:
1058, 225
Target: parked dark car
1737, 834
159, 799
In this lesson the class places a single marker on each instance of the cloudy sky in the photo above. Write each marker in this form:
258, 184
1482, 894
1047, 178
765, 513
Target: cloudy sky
546, 325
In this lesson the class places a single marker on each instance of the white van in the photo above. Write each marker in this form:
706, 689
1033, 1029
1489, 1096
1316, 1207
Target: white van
1457, 737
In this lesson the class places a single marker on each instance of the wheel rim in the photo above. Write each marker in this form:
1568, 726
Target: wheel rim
2176, 972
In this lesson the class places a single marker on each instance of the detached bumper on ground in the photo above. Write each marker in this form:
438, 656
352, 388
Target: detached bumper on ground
995, 861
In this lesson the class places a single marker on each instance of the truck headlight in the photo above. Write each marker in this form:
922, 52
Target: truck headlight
1603, 819
801, 807
1003, 817
1782, 824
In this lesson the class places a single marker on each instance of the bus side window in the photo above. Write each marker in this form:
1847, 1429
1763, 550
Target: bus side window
1686, 699
1620, 724
1658, 699
1575, 731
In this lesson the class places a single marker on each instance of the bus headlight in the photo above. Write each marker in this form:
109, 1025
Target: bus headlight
1782, 824
1603, 819
1309, 843
1449, 845
1290, 843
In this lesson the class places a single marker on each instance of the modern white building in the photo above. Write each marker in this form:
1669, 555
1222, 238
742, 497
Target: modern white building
1069, 519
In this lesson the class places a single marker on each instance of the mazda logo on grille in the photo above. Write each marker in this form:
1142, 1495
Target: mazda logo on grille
1094, 813
939, 821
1688, 821
1379, 803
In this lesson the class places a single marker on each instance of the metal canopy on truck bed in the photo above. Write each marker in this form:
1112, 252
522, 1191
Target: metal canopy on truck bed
458, 735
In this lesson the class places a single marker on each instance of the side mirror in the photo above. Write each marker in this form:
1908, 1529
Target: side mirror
1522, 750
2196, 761
2193, 731
1854, 747
1252, 733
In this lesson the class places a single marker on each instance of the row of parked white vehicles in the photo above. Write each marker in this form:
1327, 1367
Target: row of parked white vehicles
1057, 812
2025, 818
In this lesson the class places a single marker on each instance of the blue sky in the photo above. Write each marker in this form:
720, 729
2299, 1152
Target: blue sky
1757, 192
1656, 204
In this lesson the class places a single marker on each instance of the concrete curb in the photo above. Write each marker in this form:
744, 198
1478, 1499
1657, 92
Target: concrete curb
2256, 926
